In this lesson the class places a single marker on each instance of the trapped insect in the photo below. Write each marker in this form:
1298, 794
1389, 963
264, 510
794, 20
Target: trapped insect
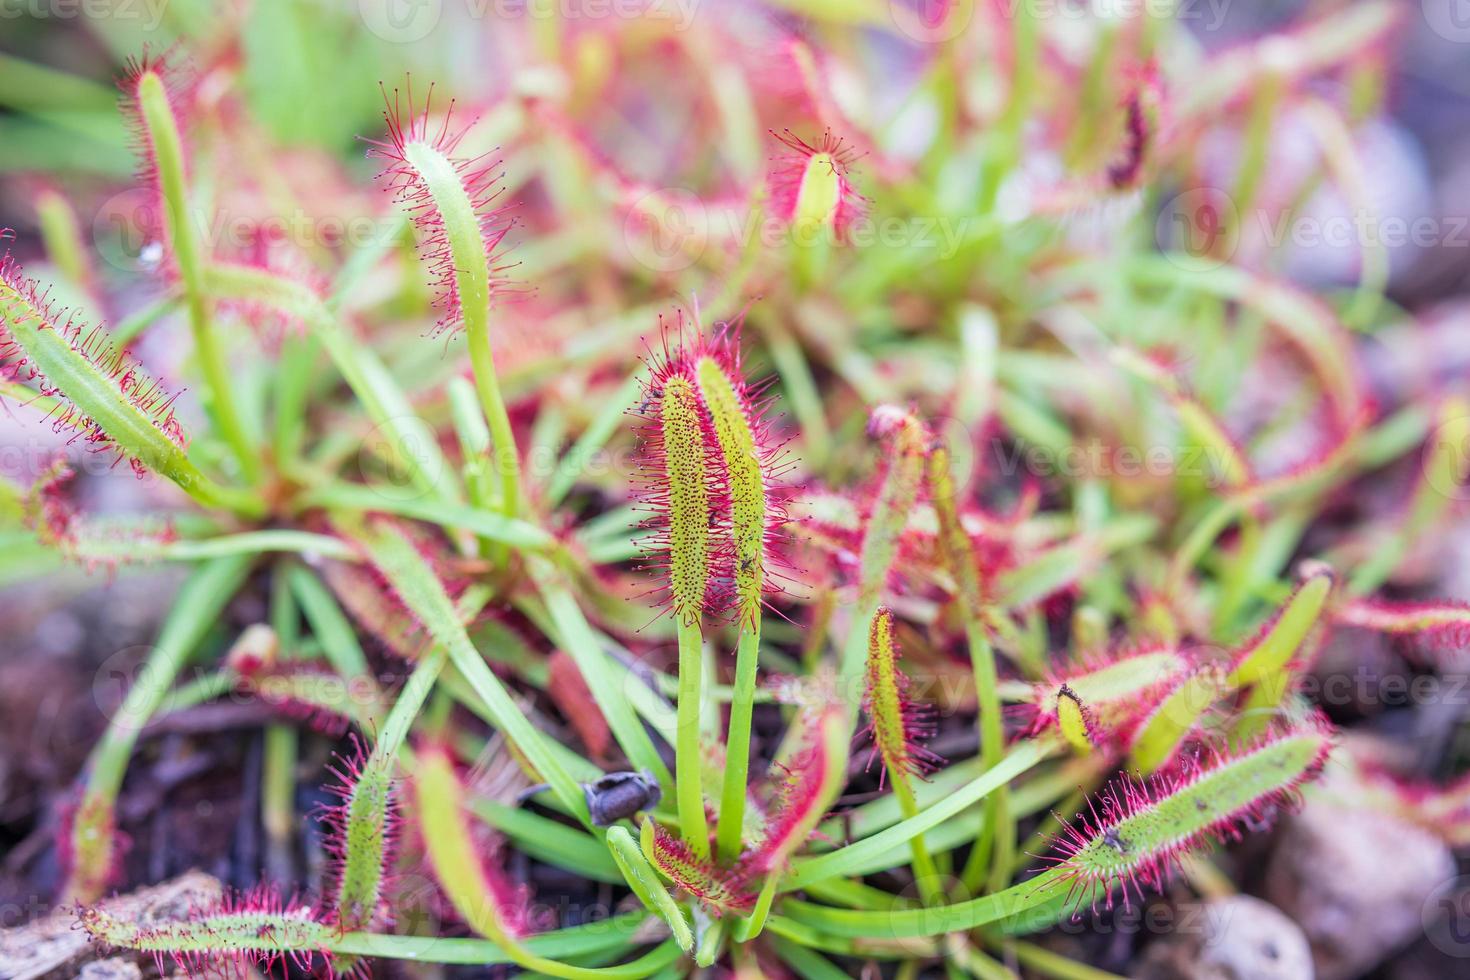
618, 795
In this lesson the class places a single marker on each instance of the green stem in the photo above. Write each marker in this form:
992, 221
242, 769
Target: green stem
410, 445
688, 759
926, 874
278, 796
1050, 964
1038, 893
607, 684
168, 152
196, 608
992, 742
126, 330
997, 838
737, 744
845, 860
293, 383
1006, 148
607, 936
414, 581
462, 229
645, 883
62, 238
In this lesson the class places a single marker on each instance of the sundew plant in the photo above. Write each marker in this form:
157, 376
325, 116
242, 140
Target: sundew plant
794, 489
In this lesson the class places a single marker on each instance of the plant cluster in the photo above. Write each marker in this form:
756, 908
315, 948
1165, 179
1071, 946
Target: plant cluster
716, 540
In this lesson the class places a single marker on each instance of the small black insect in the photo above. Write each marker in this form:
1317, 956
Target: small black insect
1115, 840
616, 795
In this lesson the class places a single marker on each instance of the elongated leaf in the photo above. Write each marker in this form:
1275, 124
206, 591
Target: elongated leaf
420, 590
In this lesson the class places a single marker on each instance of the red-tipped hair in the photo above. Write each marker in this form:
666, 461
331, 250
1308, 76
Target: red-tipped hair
480, 176
146, 395
788, 169
178, 85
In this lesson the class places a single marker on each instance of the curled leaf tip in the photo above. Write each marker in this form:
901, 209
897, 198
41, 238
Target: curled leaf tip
721, 891
811, 186
1074, 719
710, 478
1136, 831
34, 332
898, 724
165, 81
450, 199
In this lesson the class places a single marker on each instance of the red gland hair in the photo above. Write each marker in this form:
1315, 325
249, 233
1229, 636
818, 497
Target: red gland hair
27, 300
832, 158
479, 176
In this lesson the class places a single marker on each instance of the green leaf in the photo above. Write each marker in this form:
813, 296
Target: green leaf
495, 527
421, 591
645, 883
196, 608
1151, 832
846, 860
97, 396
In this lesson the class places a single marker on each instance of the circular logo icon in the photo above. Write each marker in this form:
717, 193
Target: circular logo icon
418, 905
400, 21
1446, 459
1199, 229
125, 231
932, 21
1450, 19
959, 442
121, 673
1445, 916
667, 230
399, 457
918, 897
